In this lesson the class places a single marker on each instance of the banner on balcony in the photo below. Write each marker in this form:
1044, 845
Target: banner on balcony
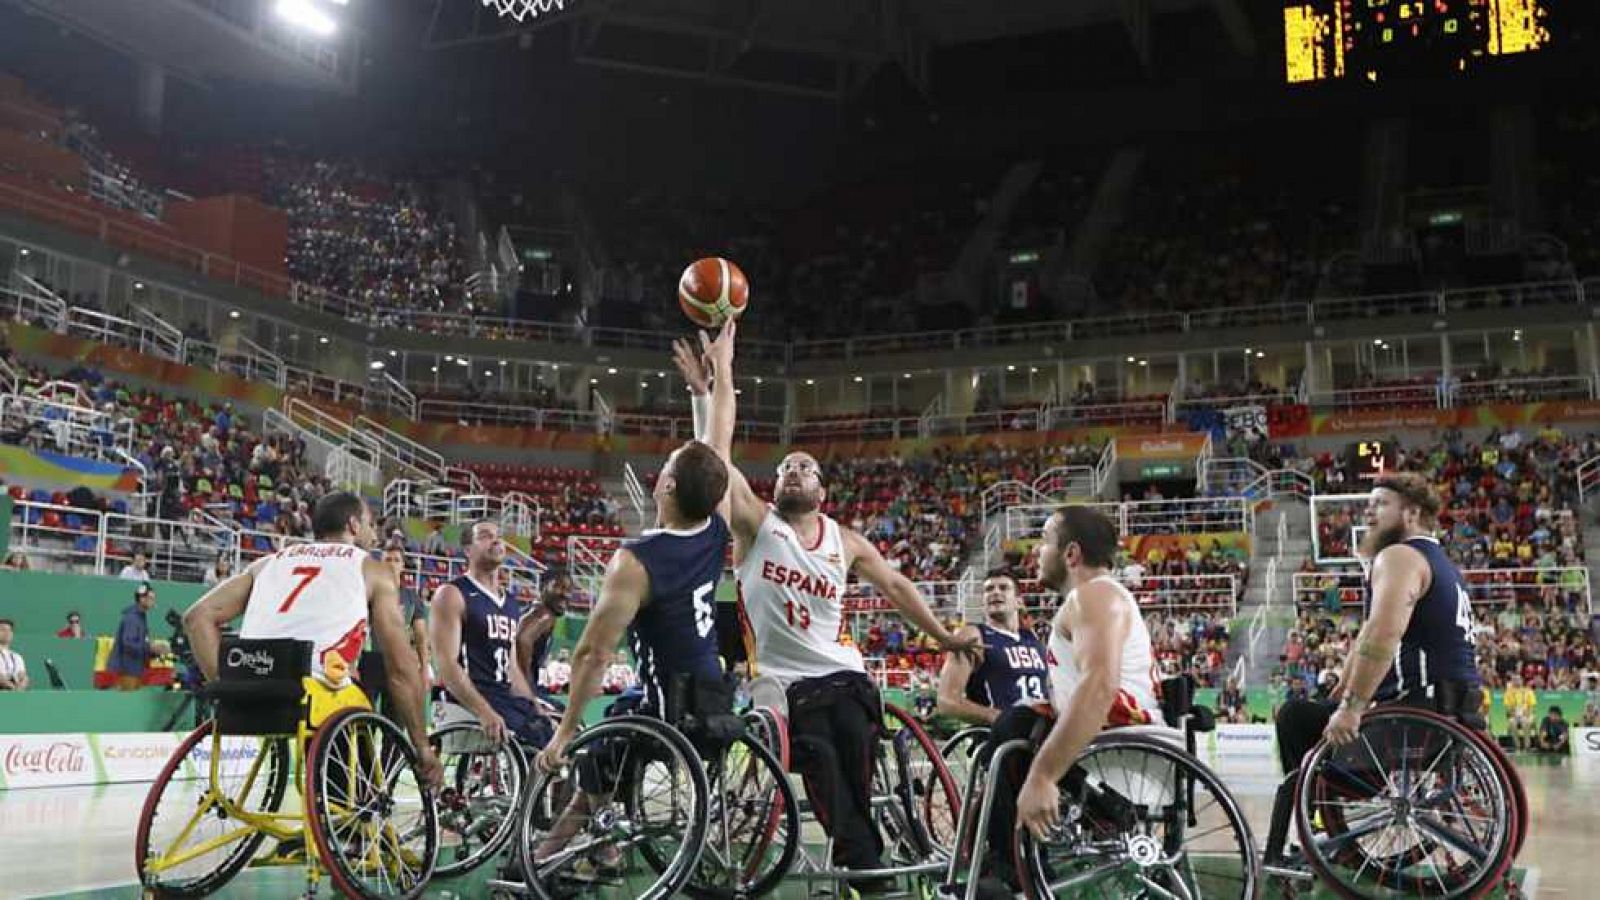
52, 472
1161, 446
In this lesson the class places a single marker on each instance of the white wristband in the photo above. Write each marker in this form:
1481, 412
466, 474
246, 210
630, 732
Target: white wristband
700, 404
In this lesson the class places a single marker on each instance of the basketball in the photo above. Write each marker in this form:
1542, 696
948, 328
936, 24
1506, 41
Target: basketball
712, 290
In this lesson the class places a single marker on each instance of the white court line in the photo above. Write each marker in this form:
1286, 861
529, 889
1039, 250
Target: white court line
87, 888
1530, 885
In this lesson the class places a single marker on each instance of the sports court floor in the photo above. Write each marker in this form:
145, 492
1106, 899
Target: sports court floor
77, 842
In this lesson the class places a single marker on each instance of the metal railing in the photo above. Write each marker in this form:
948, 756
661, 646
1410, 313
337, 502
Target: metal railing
1137, 412
117, 331
1588, 476
1210, 515
861, 598
404, 451
1156, 593
638, 497
1521, 390
1238, 476
1485, 587
29, 301
865, 428
92, 542
1413, 396
393, 397
67, 428
245, 359
1339, 548
167, 336
153, 240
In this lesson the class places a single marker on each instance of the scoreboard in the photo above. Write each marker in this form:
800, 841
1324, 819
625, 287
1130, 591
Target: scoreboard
1374, 39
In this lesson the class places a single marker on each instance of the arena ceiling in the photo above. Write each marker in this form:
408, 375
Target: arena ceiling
200, 41
817, 48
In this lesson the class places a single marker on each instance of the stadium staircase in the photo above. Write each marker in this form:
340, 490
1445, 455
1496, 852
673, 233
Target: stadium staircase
1081, 254
1281, 545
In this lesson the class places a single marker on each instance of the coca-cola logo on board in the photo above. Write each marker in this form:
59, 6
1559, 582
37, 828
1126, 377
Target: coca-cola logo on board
60, 756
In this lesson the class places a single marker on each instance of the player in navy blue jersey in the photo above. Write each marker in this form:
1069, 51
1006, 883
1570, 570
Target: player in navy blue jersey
1012, 669
474, 631
661, 589
1415, 648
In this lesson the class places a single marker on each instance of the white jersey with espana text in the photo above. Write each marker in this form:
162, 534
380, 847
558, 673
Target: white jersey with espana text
317, 593
793, 600
1136, 694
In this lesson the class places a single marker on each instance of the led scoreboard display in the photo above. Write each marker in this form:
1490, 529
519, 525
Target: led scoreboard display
1373, 39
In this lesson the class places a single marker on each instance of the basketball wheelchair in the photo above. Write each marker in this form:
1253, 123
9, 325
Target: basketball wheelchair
1418, 805
706, 805
358, 814
1141, 816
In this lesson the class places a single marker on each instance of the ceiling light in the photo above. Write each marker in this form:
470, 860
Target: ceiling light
1011, 368
1261, 354
138, 285
594, 381
393, 353
1144, 362
611, 371
503, 362
323, 339
435, 370
906, 375
302, 15
449, 358
858, 379
1130, 359
644, 384
661, 374
810, 381
375, 365
233, 314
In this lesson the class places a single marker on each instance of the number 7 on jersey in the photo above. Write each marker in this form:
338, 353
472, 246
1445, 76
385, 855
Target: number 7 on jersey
306, 574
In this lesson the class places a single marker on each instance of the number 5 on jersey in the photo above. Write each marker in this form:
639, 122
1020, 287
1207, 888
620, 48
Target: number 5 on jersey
306, 574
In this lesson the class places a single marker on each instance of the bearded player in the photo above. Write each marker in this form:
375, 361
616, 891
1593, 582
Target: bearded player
1012, 670
793, 564
1415, 649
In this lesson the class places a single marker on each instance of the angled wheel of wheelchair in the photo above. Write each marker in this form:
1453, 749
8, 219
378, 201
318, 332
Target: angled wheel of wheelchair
1141, 818
753, 830
478, 803
961, 749
922, 820
184, 811
769, 727
1415, 806
374, 826
640, 783
1519, 794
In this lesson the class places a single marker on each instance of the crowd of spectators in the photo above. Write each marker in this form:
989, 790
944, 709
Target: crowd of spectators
368, 238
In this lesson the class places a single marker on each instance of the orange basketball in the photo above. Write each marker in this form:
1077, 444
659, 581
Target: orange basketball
713, 290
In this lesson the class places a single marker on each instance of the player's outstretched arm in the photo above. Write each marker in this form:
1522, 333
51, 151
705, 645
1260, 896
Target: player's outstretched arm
953, 678
865, 560
621, 594
710, 373
203, 621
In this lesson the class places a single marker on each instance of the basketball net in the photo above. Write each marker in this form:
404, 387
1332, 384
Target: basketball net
524, 9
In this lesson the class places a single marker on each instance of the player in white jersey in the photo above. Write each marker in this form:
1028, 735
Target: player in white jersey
329, 593
793, 563
1101, 676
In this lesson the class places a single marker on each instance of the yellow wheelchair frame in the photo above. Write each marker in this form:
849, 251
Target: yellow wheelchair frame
319, 705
